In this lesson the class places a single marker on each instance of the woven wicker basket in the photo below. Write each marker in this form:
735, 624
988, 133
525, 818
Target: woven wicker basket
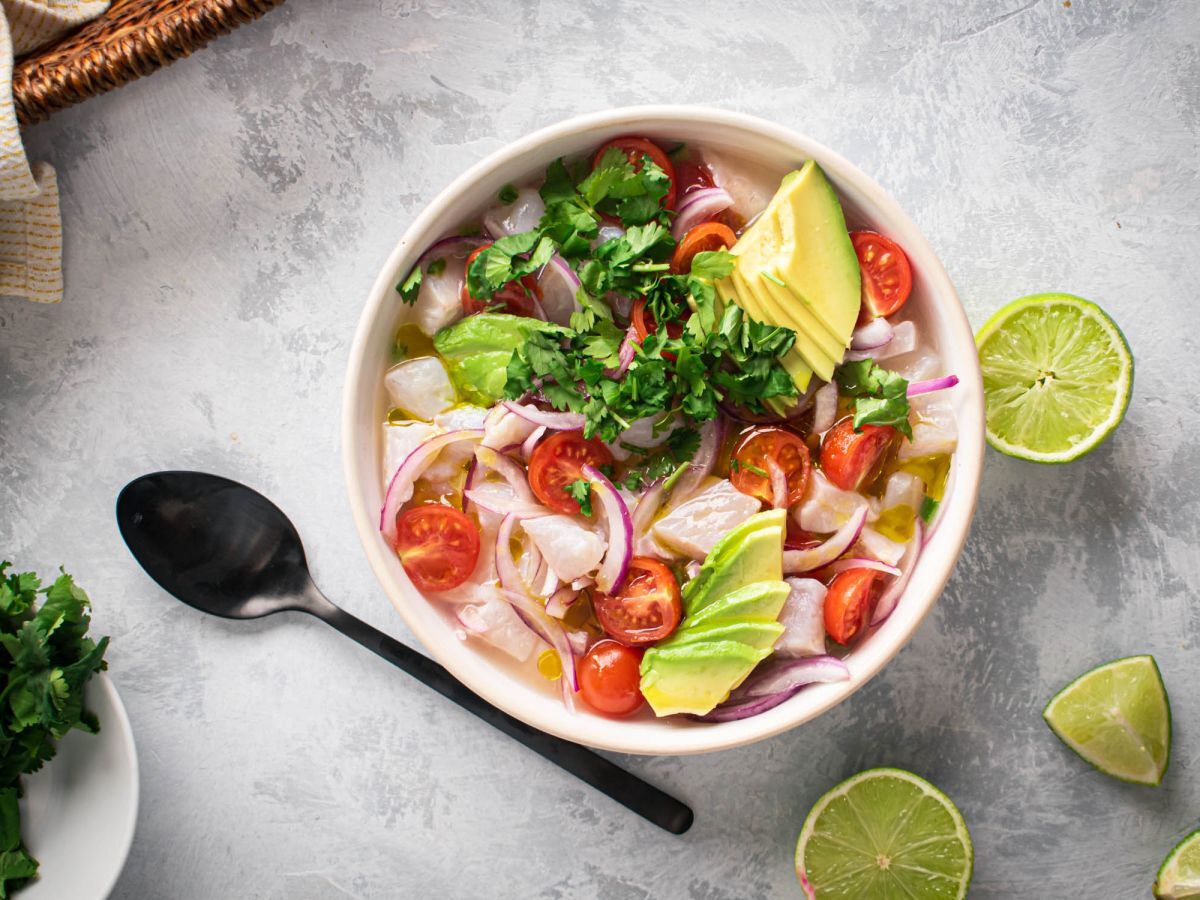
132, 39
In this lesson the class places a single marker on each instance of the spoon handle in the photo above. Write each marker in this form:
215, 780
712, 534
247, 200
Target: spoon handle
644, 799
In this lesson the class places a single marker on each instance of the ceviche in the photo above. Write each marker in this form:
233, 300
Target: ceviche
660, 430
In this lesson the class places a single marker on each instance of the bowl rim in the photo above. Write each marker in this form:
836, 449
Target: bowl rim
954, 518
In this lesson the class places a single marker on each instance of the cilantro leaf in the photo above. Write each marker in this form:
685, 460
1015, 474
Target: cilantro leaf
712, 264
508, 194
881, 396
929, 508
410, 286
581, 492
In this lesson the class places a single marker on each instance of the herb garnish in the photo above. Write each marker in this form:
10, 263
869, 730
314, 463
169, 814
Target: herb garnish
581, 492
45, 661
881, 397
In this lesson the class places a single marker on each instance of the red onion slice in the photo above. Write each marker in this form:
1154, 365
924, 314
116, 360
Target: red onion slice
560, 601
712, 433
778, 477
873, 335
530, 442
559, 285
889, 600
934, 384
450, 246
400, 489
825, 408
626, 353
556, 421
796, 562
550, 631
858, 562
508, 469
775, 685
647, 506
473, 476
611, 574
699, 206
501, 505
904, 340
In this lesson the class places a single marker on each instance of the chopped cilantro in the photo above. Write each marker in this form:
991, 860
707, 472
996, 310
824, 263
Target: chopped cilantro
581, 492
410, 286
507, 194
929, 508
437, 267
881, 396
679, 448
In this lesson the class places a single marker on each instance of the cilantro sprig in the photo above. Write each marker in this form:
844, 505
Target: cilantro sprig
880, 396
46, 658
581, 492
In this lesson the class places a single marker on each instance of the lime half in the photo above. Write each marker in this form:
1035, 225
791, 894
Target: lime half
1179, 875
1117, 718
1057, 375
885, 833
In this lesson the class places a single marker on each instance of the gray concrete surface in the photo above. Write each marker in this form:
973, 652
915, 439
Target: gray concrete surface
224, 220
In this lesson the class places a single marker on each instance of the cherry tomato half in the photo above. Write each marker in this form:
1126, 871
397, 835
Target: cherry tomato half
886, 274
848, 603
758, 452
707, 236
437, 545
517, 296
559, 460
646, 609
635, 148
849, 456
609, 678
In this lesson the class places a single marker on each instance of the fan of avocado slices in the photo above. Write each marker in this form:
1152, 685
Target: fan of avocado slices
730, 624
796, 268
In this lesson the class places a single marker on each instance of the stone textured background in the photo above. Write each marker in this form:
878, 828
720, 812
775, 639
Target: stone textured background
224, 221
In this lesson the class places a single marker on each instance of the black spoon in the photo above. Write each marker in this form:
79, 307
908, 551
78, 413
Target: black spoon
225, 549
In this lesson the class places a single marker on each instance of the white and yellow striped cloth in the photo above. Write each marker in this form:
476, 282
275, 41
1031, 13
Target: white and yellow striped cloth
30, 226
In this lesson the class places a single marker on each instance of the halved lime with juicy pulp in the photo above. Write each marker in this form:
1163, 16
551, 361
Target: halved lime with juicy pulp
885, 833
1117, 718
1179, 875
1057, 375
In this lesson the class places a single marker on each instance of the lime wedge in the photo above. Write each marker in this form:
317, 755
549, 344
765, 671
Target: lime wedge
1179, 875
1117, 718
1057, 375
885, 833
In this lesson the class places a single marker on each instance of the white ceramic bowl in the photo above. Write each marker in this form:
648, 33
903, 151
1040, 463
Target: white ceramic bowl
934, 305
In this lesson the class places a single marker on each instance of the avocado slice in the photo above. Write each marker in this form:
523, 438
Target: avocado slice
759, 601
822, 267
814, 350
800, 249
761, 634
695, 678
751, 552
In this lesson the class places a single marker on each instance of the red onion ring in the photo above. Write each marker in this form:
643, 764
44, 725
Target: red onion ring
560, 601
755, 696
796, 562
699, 206
933, 384
400, 489
550, 631
559, 285
825, 408
778, 483
858, 562
531, 442
556, 421
615, 566
626, 354
508, 469
891, 598
904, 340
712, 433
871, 336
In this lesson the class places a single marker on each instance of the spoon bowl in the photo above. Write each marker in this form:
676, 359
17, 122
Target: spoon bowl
215, 544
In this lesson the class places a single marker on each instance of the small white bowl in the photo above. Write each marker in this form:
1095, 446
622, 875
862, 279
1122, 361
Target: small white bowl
934, 305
